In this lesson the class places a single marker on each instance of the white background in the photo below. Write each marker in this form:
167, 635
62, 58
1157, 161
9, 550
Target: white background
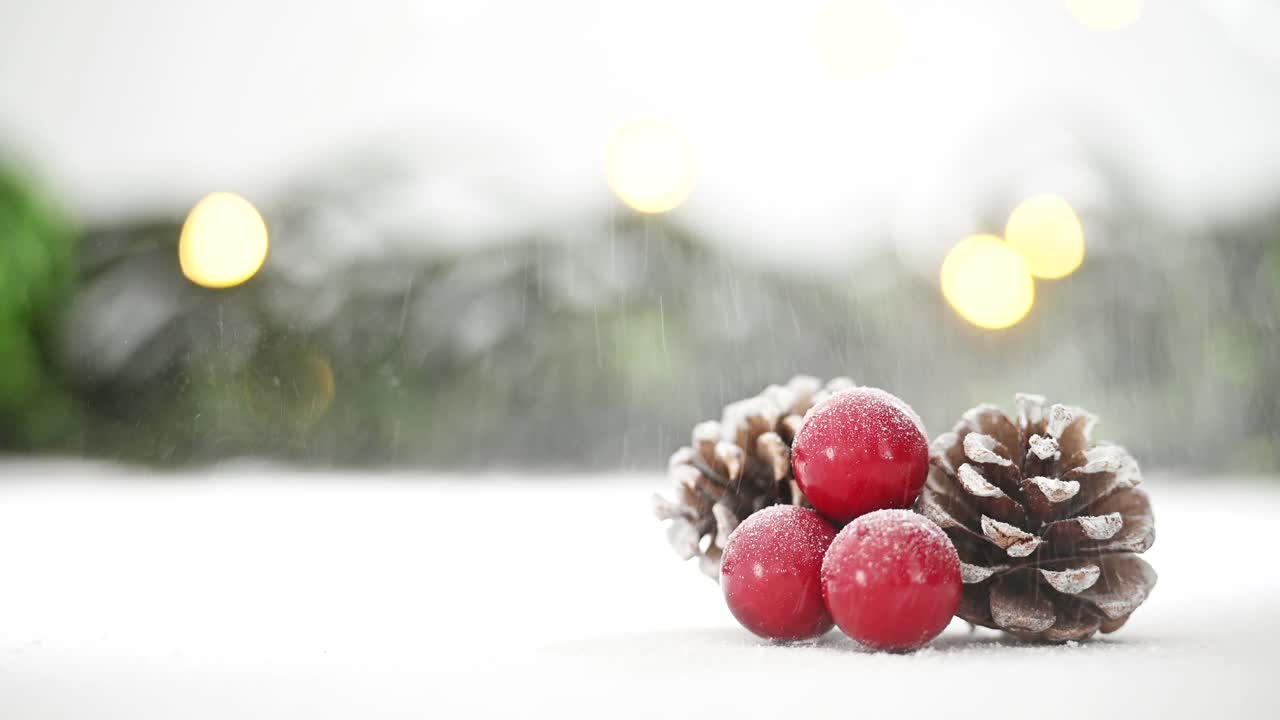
501, 108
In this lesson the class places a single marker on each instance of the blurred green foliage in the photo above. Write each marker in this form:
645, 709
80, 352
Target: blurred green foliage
37, 271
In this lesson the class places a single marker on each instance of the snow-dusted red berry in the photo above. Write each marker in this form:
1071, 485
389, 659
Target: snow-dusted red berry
771, 573
891, 580
860, 450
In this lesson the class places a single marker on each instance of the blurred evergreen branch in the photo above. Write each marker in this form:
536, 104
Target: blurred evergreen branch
600, 349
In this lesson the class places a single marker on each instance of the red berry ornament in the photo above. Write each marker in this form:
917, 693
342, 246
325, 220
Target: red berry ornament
892, 580
771, 573
860, 450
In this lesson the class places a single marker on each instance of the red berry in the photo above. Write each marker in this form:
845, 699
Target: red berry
860, 450
771, 573
892, 580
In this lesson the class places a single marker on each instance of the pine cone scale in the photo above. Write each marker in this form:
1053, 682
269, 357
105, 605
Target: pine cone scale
1125, 582
1048, 499
1137, 532
1077, 625
1072, 579
988, 499
1018, 605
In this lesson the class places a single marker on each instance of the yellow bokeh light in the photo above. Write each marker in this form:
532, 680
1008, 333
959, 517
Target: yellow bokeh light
651, 165
1048, 233
987, 282
1106, 14
859, 39
223, 242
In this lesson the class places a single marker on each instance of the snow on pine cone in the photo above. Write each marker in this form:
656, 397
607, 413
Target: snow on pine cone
1048, 524
737, 466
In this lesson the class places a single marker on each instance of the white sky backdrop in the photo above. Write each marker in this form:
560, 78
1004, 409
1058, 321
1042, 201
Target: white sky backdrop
503, 106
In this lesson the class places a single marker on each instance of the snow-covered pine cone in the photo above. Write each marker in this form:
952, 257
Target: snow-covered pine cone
737, 466
1048, 525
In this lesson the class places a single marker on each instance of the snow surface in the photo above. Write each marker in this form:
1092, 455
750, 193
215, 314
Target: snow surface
257, 592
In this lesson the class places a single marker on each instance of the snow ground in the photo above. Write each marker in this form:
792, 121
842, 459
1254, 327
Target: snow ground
254, 592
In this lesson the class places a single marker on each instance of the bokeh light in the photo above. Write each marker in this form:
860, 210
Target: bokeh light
987, 282
223, 242
1047, 231
324, 385
1106, 14
859, 39
290, 387
651, 165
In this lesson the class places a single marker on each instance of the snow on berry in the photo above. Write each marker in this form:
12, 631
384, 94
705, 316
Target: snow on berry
771, 569
892, 580
860, 450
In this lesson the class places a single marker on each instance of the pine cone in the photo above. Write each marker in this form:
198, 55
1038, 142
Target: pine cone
1048, 525
737, 466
